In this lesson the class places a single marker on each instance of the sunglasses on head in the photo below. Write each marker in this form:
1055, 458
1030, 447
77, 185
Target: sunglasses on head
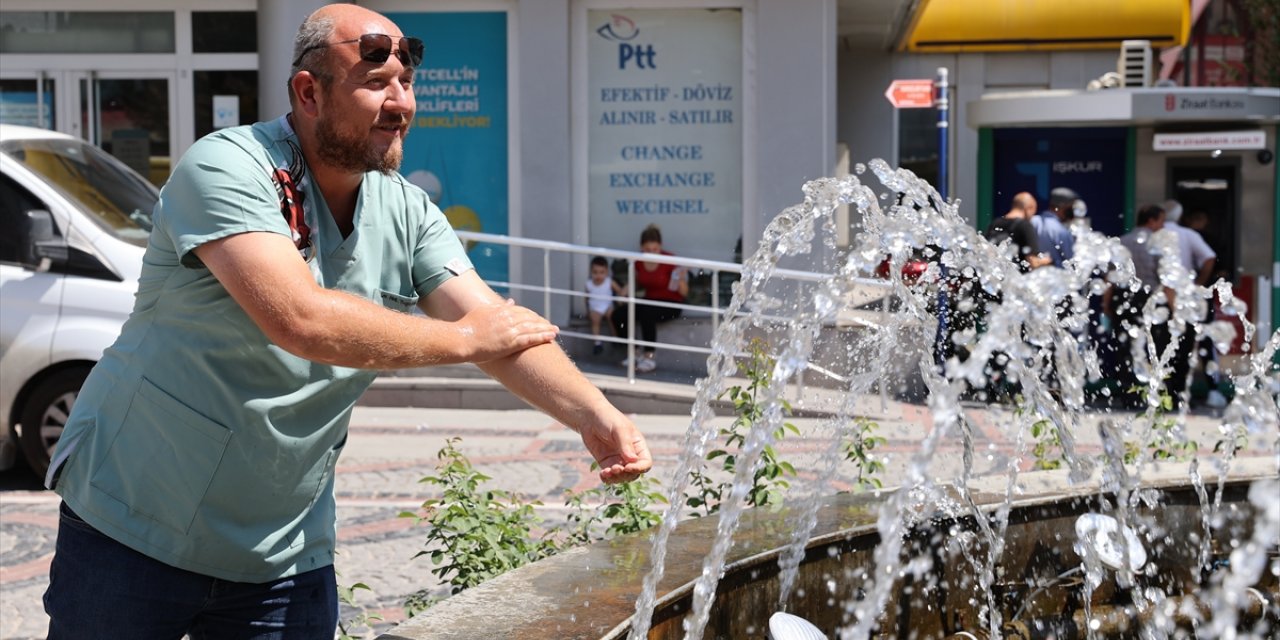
376, 48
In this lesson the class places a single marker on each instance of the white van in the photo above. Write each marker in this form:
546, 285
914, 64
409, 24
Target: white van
73, 227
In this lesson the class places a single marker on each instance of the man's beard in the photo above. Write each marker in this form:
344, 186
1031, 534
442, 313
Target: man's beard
354, 153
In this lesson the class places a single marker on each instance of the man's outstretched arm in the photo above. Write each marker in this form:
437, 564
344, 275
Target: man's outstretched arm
266, 277
543, 376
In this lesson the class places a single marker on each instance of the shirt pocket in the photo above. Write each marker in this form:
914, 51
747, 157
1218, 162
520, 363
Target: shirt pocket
163, 459
397, 302
323, 473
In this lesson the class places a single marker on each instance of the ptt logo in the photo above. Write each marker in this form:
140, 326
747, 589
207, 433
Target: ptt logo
1170, 102
622, 30
618, 28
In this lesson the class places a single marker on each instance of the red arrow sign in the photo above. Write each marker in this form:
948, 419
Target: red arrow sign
910, 94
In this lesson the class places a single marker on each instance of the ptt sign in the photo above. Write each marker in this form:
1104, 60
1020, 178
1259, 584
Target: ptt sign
641, 54
623, 30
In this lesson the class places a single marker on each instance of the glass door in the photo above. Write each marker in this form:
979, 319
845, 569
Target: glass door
130, 114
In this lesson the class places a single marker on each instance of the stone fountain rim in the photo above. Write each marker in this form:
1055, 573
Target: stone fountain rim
1166, 477
513, 598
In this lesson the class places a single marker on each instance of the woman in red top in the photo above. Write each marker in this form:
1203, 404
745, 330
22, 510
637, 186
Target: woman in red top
656, 281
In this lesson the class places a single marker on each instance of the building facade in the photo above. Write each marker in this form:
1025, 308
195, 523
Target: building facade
583, 121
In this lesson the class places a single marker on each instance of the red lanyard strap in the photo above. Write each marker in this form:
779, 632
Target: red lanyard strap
291, 208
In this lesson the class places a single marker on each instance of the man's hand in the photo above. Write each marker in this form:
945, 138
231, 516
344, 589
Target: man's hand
540, 373
500, 329
619, 449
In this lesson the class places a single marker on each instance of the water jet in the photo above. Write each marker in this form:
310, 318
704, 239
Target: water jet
1013, 553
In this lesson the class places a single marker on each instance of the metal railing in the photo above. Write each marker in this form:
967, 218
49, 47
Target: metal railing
714, 310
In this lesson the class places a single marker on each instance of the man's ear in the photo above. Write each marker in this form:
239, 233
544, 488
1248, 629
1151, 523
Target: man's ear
307, 89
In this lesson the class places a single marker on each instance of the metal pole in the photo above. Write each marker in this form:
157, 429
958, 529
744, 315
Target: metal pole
90, 85
715, 301
40, 119
884, 392
631, 321
546, 283
944, 130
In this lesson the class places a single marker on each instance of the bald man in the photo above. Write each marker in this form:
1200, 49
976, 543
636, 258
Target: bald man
197, 466
1015, 227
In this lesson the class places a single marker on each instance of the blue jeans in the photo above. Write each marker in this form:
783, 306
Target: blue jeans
101, 589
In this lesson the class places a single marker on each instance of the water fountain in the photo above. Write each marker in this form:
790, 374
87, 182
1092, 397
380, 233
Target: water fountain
1116, 544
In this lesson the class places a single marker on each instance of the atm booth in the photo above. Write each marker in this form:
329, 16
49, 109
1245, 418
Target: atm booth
1212, 149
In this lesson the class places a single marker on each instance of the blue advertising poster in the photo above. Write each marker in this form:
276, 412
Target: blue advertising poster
1091, 161
457, 148
23, 108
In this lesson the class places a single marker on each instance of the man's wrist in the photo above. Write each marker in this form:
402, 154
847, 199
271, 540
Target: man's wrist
600, 414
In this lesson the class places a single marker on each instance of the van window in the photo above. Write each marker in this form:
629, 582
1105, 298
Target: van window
115, 197
15, 202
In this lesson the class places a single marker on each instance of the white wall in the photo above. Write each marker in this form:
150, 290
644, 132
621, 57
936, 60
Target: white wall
543, 113
542, 193
865, 119
795, 117
278, 22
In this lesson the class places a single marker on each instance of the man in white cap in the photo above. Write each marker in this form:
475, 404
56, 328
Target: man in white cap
1196, 256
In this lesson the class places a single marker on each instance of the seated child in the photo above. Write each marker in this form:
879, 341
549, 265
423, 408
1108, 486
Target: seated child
600, 291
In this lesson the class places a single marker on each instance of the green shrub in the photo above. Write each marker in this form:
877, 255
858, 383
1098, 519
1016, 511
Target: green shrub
626, 510
858, 450
1163, 443
771, 477
476, 534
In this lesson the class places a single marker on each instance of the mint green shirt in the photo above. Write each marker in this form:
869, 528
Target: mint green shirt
197, 441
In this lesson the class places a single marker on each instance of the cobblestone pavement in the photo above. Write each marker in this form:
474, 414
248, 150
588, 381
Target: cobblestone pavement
390, 449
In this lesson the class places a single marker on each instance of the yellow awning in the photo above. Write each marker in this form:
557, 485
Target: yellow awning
1039, 25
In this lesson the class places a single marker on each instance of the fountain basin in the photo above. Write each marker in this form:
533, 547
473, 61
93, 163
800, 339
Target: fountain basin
590, 592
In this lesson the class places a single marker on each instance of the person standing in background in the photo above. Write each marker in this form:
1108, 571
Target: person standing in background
1052, 232
1015, 226
1196, 256
1200, 260
1198, 220
1125, 306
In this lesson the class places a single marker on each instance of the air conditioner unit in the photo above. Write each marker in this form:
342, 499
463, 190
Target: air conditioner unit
1134, 66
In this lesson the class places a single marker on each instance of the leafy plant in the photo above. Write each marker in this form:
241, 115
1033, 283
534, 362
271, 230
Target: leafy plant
362, 620
476, 534
1048, 441
770, 478
420, 601
858, 451
583, 521
704, 494
1234, 438
626, 510
1163, 444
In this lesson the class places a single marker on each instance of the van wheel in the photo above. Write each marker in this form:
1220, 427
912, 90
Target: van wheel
45, 415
